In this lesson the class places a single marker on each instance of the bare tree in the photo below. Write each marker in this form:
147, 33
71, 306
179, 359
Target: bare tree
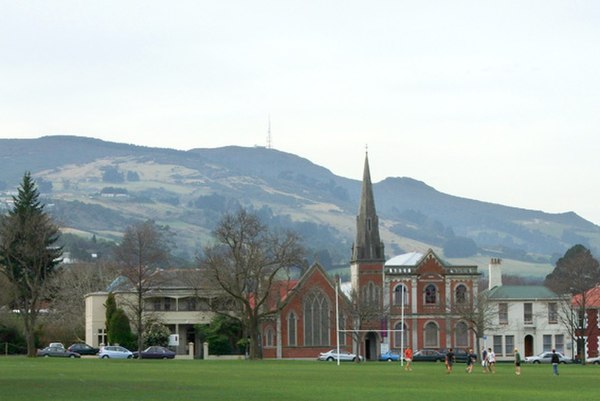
574, 275
28, 254
69, 286
144, 249
247, 262
480, 315
7, 296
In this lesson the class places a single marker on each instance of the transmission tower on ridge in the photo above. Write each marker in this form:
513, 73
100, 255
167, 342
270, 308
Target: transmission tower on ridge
269, 134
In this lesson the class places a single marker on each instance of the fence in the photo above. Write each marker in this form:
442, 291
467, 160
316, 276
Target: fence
7, 348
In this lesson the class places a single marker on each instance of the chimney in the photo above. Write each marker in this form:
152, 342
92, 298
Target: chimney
495, 273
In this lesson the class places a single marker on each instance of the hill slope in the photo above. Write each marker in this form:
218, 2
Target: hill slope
100, 187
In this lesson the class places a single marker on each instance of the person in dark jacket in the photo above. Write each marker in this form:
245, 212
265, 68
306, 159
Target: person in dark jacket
449, 360
554, 360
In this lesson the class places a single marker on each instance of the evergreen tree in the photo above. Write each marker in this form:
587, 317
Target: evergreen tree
120, 329
574, 275
111, 308
28, 254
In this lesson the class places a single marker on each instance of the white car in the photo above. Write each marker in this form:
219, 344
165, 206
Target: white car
114, 352
595, 360
332, 355
545, 357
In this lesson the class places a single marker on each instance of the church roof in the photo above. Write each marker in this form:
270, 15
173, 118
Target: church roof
406, 259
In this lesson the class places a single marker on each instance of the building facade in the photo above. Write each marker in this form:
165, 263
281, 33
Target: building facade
181, 301
525, 317
426, 298
306, 325
587, 324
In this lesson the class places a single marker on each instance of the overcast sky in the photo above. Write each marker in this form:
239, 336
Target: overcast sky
497, 101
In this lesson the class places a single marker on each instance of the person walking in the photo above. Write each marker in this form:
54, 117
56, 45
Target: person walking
554, 360
408, 355
491, 357
449, 360
517, 362
471, 358
484, 361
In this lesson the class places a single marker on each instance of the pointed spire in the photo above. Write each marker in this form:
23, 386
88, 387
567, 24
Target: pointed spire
368, 245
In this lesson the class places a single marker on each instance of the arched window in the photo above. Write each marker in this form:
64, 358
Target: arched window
371, 294
400, 292
316, 319
342, 335
460, 294
431, 335
269, 338
431, 294
398, 342
291, 323
462, 335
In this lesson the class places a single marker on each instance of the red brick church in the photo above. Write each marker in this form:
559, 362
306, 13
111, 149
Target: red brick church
414, 295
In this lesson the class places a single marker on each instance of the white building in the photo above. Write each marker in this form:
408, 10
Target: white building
526, 317
181, 301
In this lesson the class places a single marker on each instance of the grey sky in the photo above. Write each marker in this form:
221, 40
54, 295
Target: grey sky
492, 100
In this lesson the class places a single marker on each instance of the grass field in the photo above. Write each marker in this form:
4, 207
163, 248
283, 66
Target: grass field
92, 379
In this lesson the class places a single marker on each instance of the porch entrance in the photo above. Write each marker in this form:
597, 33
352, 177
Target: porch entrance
528, 345
371, 346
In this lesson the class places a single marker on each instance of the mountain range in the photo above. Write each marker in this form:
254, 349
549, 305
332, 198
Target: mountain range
94, 187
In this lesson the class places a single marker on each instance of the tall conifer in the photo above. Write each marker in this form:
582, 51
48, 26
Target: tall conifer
28, 255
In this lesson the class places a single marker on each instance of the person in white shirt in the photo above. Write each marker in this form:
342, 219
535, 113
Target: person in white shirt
491, 357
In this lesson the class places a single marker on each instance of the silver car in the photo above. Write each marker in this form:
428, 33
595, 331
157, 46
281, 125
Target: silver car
114, 352
332, 355
546, 357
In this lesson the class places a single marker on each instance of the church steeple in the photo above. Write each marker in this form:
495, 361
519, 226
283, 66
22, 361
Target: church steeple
367, 246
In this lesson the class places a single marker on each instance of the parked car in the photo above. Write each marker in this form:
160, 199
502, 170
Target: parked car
155, 352
595, 360
460, 355
83, 349
429, 355
114, 352
390, 356
60, 352
332, 355
545, 357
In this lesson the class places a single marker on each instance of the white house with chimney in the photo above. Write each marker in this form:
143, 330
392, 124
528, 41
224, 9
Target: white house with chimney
526, 317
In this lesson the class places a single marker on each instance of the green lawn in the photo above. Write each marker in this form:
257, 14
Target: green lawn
92, 379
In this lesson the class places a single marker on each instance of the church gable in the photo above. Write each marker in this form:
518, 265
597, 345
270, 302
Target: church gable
430, 265
315, 277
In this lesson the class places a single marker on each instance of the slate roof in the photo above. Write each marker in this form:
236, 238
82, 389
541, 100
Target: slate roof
521, 292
